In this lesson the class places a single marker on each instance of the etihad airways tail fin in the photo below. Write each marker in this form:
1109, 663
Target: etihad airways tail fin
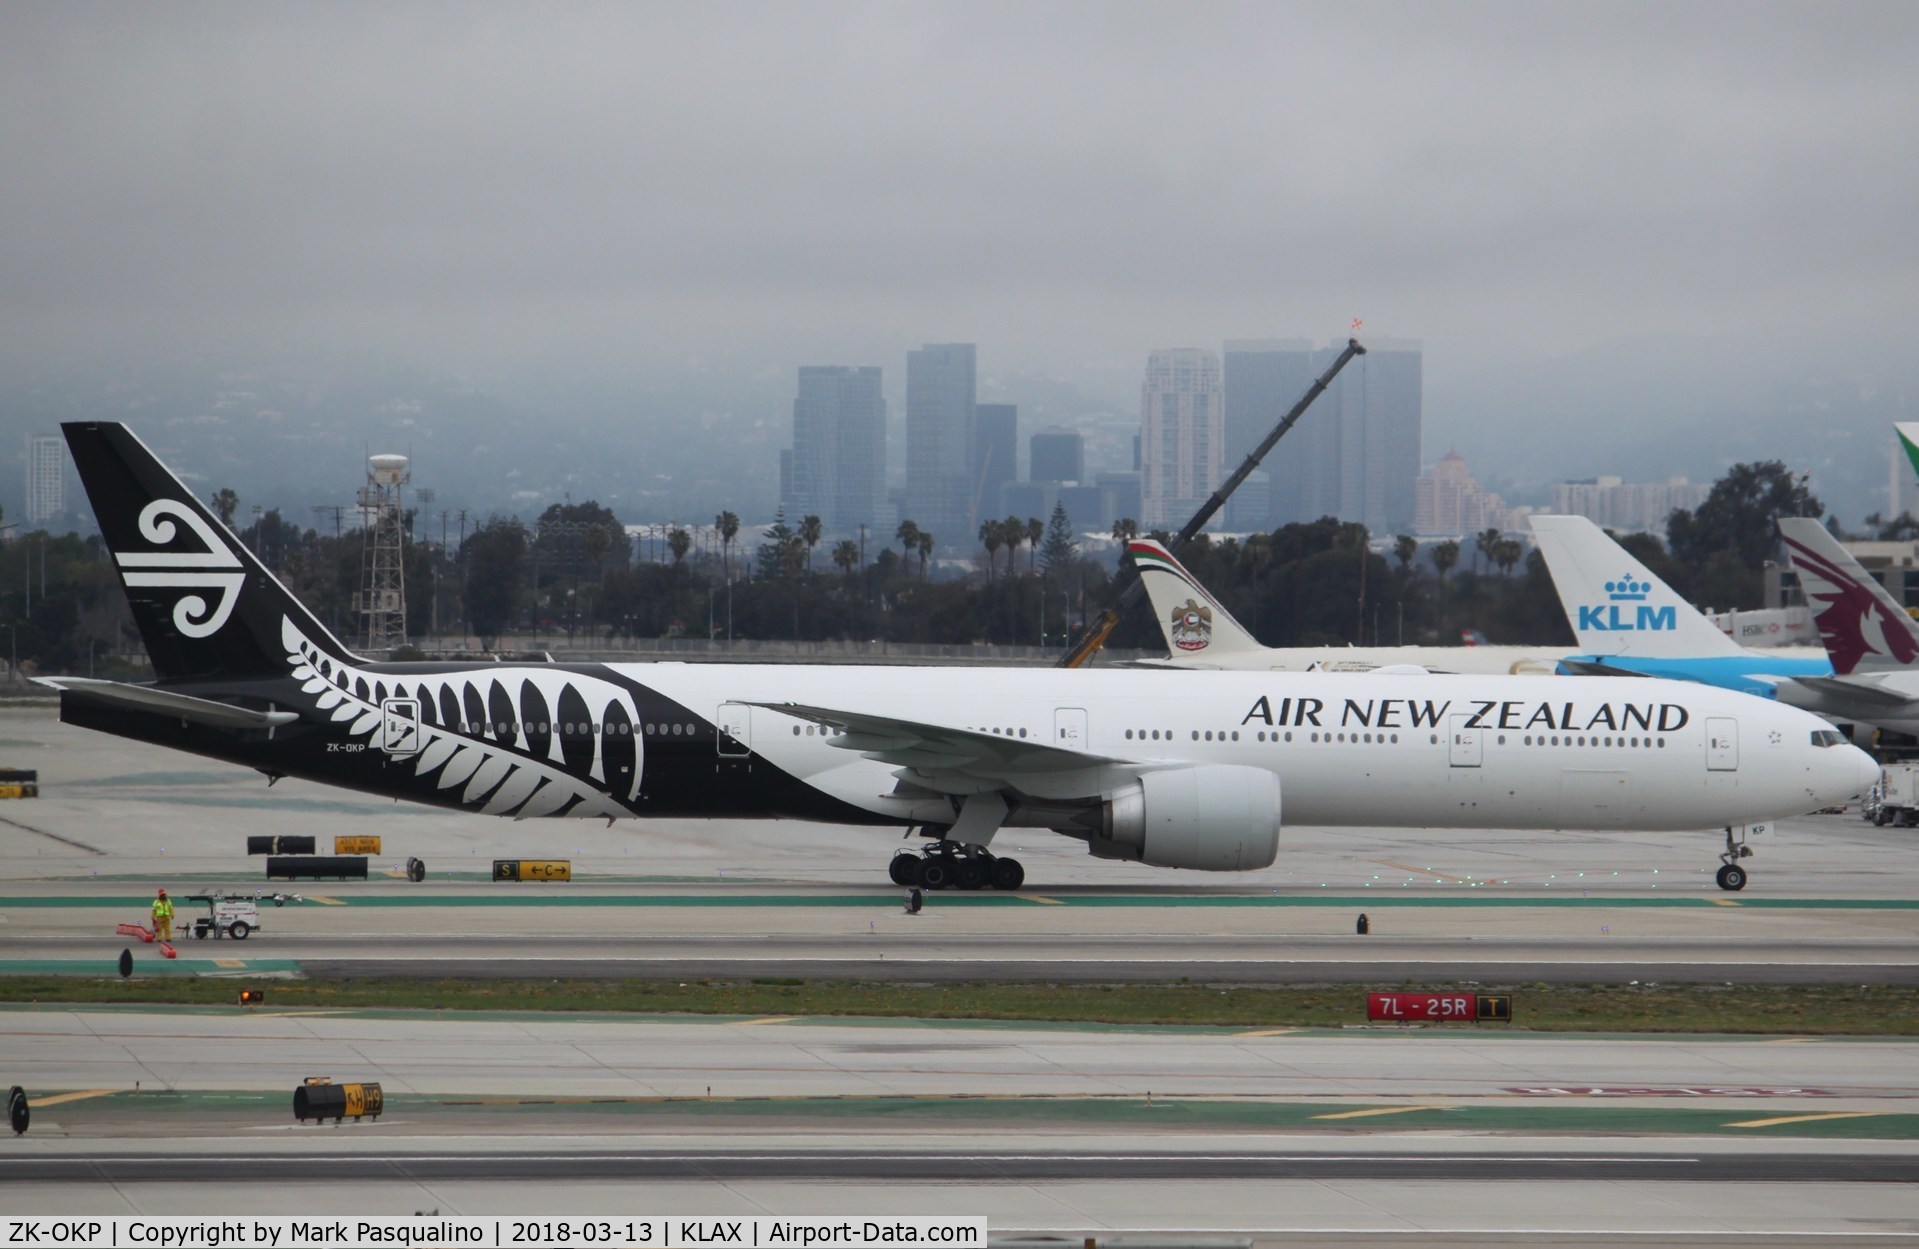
1195, 624
1863, 627
1616, 606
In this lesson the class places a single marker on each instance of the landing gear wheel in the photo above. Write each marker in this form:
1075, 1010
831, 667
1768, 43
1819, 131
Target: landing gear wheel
935, 873
970, 874
1008, 875
1732, 877
239, 930
905, 868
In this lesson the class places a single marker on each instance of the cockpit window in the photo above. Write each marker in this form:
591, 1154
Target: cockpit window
1828, 737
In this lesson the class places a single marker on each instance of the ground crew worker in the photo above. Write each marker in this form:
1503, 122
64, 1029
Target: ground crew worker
163, 916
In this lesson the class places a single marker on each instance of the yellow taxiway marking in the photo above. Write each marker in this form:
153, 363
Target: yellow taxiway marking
324, 901
1840, 1114
1722, 901
754, 1023
1423, 871
82, 1095
1792, 1040
1035, 897
229, 962
1269, 1032
1380, 1110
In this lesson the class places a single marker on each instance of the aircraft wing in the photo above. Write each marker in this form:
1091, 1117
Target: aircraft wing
165, 702
1594, 668
1864, 691
955, 760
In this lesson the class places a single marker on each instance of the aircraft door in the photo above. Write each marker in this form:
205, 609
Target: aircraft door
1722, 744
1069, 728
734, 729
1462, 742
400, 726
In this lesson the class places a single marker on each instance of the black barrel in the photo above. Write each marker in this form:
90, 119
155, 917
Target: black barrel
280, 845
19, 1114
317, 867
415, 870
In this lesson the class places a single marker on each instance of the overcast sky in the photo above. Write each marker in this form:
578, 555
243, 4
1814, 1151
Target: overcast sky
1064, 183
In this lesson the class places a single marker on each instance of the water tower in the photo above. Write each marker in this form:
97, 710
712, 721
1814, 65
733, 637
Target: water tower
382, 601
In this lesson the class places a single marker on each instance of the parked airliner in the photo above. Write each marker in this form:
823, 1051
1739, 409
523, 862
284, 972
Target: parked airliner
1201, 633
1872, 642
1174, 769
1629, 621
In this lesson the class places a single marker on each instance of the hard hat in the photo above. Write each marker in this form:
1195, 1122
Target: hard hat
163, 893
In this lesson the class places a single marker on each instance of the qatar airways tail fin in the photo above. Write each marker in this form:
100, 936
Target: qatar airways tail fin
1863, 627
1614, 603
1195, 624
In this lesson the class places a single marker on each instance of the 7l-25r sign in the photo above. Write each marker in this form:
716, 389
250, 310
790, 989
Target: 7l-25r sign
1438, 1007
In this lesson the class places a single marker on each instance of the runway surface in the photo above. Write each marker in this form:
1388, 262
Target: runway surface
1451, 1138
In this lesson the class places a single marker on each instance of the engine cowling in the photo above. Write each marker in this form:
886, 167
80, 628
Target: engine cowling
1215, 817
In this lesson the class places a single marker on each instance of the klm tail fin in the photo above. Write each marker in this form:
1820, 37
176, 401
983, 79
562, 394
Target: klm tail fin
1195, 624
1863, 627
1614, 603
206, 608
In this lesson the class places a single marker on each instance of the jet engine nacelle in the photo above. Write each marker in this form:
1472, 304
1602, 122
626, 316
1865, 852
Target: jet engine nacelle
1212, 818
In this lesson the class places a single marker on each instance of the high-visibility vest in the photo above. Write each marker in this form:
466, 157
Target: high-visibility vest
163, 908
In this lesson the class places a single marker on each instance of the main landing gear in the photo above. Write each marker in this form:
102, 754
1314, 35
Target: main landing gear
1732, 877
946, 865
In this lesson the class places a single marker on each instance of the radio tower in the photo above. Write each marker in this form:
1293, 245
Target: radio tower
382, 603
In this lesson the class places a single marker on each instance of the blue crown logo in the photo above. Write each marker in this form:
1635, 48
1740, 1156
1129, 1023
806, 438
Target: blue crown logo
1627, 590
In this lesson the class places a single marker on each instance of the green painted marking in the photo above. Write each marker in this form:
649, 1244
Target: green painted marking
148, 963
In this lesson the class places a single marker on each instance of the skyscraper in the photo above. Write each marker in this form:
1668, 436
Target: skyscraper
1264, 378
46, 479
839, 448
995, 453
1058, 455
1355, 454
1182, 435
940, 398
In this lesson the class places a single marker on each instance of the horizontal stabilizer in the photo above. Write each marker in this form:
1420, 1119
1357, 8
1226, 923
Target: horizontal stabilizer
164, 702
1847, 687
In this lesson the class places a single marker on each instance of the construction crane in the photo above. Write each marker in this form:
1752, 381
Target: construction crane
1132, 587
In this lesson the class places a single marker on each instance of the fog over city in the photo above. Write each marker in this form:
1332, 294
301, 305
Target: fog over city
1636, 238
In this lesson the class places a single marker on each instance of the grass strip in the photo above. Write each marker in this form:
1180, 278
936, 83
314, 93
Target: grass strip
1796, 1010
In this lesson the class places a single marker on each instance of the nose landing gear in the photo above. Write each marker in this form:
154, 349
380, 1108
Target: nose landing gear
947, 865
1731, 876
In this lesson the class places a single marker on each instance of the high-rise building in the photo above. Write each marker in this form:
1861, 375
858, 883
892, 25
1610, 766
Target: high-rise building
1264, 379
1615, 503
1450, 501
838, 468
46, 479
1182, 435
940, 396
995, 453
1057, 455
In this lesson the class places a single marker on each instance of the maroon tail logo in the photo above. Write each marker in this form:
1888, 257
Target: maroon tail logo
1845, 607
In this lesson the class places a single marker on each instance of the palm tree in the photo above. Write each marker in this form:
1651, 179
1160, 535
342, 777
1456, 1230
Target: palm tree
1035, 531
1485, 542
926, 552
990, 533
1125, 529
729, 526
810, 535
679, 541
847, 555
1507, 553
225, 502
1405, 550
1445, 555
908, 536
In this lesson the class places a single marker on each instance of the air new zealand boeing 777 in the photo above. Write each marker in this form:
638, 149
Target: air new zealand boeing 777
1174, 769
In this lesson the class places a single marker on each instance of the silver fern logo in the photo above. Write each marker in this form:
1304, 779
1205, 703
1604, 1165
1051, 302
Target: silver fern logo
212, 567
518, 741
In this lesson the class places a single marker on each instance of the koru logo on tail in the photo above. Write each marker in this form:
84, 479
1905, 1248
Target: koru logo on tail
214, 567
1192, 626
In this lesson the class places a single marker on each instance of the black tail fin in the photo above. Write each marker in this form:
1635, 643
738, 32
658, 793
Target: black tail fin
206, 608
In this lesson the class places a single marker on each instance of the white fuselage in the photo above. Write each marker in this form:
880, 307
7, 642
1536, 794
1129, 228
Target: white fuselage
1414, 750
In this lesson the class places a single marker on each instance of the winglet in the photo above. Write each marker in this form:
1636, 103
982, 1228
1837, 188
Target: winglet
1195, 624
1863, 627
1614, 603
